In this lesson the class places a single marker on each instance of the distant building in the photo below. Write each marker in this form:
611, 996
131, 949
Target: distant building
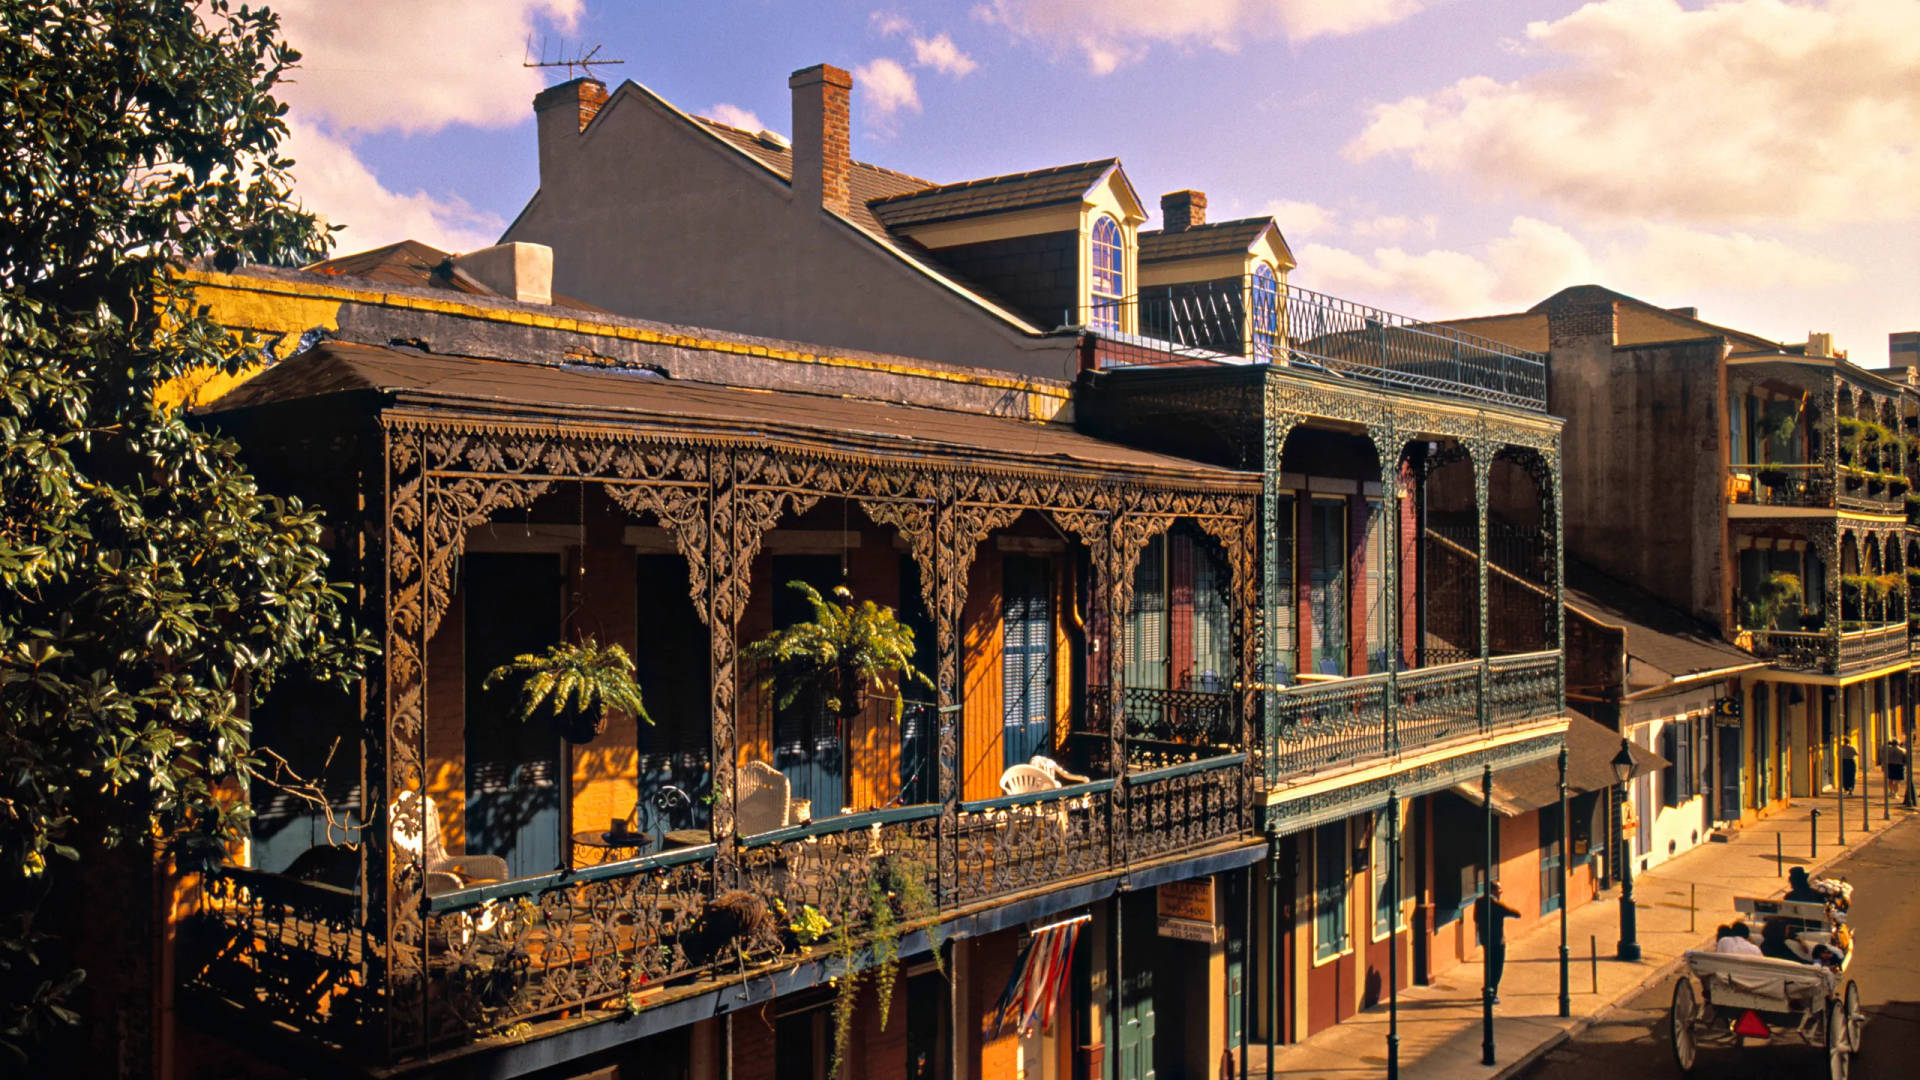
1903, 349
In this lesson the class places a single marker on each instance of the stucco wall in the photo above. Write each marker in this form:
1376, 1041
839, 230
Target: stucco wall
651, 217
1644, 461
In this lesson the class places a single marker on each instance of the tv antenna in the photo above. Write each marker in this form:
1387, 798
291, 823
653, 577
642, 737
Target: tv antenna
586, 62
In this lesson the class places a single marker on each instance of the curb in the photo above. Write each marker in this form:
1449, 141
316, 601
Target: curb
1578, 1025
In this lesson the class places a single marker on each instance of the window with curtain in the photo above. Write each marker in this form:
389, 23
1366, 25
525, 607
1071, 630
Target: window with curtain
1281, 618
1144, 652
1266, 314
1026, 658
1109, 273
1327, 586
1212, 660
1378, 534
1330, 890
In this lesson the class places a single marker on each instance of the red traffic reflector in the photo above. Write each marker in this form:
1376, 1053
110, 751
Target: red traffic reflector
1751, 1024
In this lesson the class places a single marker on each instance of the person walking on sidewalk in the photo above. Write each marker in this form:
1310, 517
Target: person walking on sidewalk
1896, 762
1849, 764
1495, 930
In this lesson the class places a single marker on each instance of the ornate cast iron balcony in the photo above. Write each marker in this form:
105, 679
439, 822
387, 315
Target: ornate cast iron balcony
1242, 322
1326, 724
1816, 486
1826, 652
642, 932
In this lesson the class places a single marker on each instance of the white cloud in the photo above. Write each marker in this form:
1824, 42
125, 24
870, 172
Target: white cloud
411, 68
735, 116
942, 55
1394, 227
1536, 258
1109, 33
1740, 112
886, 88
331, 180
1302, 218
417, 66
889, 23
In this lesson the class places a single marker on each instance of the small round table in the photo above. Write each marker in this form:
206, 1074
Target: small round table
612, 845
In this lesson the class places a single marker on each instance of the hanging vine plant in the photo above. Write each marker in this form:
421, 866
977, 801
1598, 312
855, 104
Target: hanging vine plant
897, 898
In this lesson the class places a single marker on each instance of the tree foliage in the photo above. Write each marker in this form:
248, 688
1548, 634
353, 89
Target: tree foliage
148, 587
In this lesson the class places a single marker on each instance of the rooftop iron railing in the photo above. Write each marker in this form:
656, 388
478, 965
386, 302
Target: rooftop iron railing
1237, 321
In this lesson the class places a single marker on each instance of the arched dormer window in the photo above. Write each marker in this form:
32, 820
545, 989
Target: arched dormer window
1109, 278
1265, 304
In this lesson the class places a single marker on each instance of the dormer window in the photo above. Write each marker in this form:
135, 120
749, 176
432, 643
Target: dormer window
1109, 278
1265, 305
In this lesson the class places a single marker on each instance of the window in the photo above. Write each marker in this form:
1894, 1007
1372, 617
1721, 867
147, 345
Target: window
1327, 587
1144, 659
1330, 890
1280, 626
1109, 274
1551, 854
1676, 780
1026, 659
1383, 884
1266, 314
1375, 598
1212, 660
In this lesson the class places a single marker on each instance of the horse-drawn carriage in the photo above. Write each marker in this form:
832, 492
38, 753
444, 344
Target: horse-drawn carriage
1740, 1000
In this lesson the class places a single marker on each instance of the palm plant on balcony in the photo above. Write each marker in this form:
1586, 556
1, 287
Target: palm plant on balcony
845, 656
1777, 598
574, 685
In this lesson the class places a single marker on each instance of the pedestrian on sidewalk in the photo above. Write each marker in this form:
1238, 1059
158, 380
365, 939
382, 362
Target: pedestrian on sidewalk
1849, 763
1495, 930
1896, 761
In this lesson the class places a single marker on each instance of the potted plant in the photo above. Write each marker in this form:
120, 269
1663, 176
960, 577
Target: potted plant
1776, 422
1771, 475
574, 685
845, 655
1776, 598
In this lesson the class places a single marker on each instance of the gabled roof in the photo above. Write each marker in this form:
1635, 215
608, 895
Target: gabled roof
1645, 323
1235, 237
993, 194
866, 182
641, 396
411, 262
1658, 637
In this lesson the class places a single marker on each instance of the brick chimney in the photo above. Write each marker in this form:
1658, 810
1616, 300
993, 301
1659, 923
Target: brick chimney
1182, 210
822, 145
562, 113
1575, 320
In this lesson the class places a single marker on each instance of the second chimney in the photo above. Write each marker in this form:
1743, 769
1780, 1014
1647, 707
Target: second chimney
562, 113
1182, 210
822, 146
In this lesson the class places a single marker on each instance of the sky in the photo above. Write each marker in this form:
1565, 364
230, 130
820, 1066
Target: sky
1757, 159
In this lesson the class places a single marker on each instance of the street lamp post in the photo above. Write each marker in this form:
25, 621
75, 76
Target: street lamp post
1629, 938
1566, 997
1393, 940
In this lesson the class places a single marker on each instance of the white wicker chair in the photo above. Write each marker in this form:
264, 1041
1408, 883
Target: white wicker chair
444, 872
766, 799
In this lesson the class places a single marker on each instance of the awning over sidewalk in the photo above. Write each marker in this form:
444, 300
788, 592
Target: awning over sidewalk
1590, 750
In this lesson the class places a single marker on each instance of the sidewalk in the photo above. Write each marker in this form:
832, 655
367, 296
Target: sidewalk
1440, 1031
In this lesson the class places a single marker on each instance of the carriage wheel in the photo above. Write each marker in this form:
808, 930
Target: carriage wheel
1680, 1019
1839, 1044
1856, 1016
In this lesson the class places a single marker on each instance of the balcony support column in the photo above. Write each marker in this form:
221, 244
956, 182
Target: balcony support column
1386, 448
1278, 426
1482, 451
1556, 590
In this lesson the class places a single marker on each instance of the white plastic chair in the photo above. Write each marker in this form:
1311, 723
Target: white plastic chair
1056, 771
766, 799
1026, 779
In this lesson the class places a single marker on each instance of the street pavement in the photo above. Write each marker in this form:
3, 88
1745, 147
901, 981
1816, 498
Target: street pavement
1439, 1025
1631, 1040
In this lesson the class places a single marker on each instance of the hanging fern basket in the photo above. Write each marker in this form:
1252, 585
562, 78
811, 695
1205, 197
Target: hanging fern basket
578, 726
573, 686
